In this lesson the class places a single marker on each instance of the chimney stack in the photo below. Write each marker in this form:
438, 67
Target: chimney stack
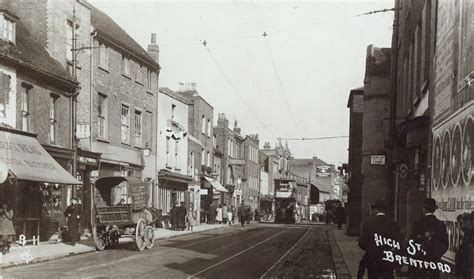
267, 145
222, 121
154, 49
236, 128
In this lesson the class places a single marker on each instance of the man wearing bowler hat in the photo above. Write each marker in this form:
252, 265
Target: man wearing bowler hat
432, 235
73, 213
384, 227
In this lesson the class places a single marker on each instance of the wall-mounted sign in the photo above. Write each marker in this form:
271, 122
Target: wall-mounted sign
403, 170
203, 192
323, 171
377, 159
236, 162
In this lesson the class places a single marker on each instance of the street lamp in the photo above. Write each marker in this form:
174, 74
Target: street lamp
146, 150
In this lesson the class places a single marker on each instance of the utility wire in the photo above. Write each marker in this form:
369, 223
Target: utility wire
205, 43
283, 93
320, 138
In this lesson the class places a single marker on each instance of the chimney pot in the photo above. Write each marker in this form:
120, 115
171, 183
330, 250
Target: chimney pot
153, 38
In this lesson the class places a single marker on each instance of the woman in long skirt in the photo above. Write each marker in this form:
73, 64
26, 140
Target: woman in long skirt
7, 230
230, 216
219, 214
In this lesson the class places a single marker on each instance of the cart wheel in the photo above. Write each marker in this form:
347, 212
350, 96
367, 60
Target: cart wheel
140, 234
99, 239
150, 237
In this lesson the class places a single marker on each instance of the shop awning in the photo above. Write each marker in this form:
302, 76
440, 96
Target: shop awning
28, 160
217, 186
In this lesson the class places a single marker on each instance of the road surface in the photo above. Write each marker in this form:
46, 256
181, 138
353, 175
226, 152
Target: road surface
253, 251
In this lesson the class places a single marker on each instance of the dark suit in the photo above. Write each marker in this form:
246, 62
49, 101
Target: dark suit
383, 226
431, 233
73, 214
242, 213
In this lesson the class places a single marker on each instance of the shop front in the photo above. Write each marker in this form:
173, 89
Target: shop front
172, 190
33, 184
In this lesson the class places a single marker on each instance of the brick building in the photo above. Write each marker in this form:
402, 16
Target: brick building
230, 143
36, 152
116, 106
251, 185
354, 167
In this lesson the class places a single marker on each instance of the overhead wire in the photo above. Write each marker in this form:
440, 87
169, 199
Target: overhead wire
205, 43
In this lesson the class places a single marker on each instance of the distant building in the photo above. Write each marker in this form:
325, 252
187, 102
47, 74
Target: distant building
251, 185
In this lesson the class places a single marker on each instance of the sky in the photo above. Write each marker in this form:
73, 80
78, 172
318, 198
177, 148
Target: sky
292, 83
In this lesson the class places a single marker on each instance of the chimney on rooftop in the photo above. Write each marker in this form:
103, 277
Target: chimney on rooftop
222, 121
154, 49
236, 128
267, 145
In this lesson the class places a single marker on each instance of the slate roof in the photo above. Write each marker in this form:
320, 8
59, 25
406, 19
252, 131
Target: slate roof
30, 53
323, 183
175, 95
109, 29
315, 161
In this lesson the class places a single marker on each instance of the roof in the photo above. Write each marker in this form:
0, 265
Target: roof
109, 29
31, 53
355, 91
315, 161
174, 95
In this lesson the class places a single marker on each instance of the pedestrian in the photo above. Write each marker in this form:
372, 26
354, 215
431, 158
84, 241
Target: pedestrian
225, 209
190, 218
212, 213
340, 215
230, 215
248, 213
234, 213
7, 230
242, 213
384, 227
432, 235
256, 215
465, 254
73, 213
174, 217
219, 215
181, 216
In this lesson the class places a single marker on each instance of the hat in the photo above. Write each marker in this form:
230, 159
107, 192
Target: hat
429, 204
76, 199
379, 204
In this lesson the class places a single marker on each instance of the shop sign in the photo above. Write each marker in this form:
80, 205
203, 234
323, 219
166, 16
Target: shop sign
377, 159
403, 170
203, 192
236, 162
323, 171
3, 172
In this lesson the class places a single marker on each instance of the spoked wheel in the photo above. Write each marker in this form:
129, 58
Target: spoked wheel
140, 234
150, 237
100, 241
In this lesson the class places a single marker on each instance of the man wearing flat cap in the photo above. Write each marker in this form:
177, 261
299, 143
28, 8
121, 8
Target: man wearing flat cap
432, 235
73, 213
384, 227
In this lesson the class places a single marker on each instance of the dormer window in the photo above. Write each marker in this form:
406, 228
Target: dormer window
7, 28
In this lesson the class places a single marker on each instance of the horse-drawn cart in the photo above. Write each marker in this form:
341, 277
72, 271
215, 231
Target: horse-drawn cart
121, 210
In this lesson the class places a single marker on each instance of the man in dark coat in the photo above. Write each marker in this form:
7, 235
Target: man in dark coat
242, 213
465, 253
384, 227
340, 215
174, 217
181, 216
73, 213
431, 233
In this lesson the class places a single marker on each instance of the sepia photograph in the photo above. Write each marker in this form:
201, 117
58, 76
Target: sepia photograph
327, 139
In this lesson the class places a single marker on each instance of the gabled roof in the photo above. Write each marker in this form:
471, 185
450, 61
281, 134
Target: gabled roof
109, 29
30, 53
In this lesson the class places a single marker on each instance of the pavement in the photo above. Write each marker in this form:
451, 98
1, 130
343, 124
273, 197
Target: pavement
46, 251
253, 251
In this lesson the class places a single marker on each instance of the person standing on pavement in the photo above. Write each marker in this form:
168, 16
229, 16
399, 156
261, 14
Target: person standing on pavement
242, 213
181, 216
256, 215
465, 254
7, 230
230, 215
174, 217
212, 213
224, 213
431, 233
73, 213
219, 214
384, 227
340, 215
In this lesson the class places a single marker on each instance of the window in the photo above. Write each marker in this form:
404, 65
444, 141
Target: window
125, 66
148, 79
52, 118
173, 107
203, 158
102, 116
209, 127
69, 39
7, 29
103, 56
203, 124
148, 131
176, 153
25, 112
125, 124
208, 159
191, 165
138, 128
139, 74
167, 152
